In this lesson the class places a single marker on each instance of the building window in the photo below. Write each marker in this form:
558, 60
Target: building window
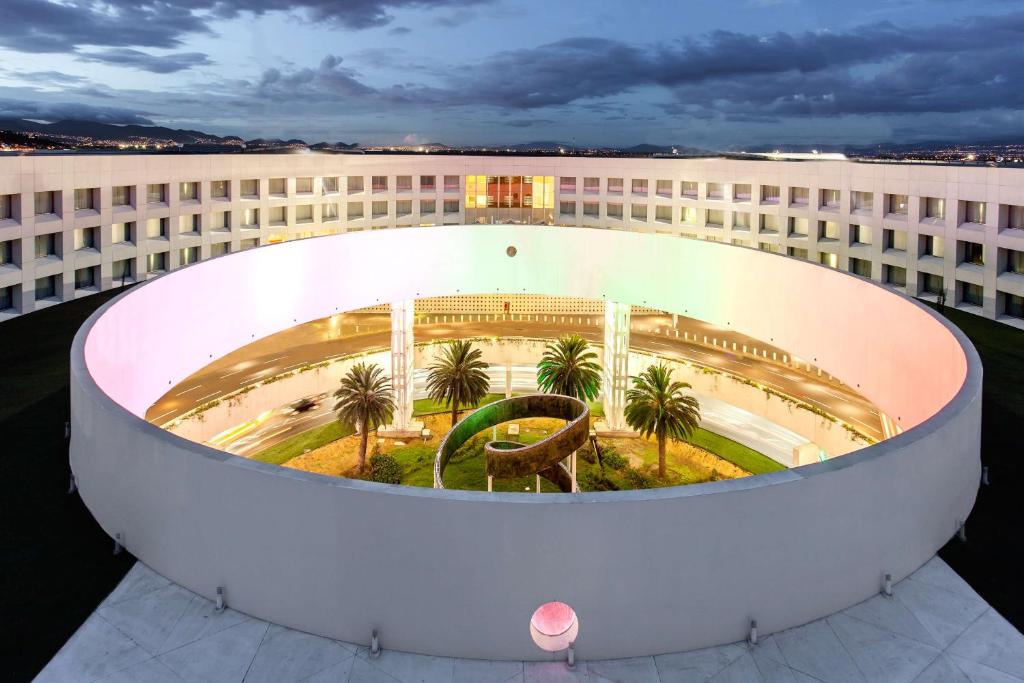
278, 187
714, 218
121, 233
355, 210
451, 206
379, 209
862, 201
122, 195
85, 199
799, 196
664, 188
219, 189
770, 194
123, 270
46, 287
894, 275
6, 206
769, 224
934, 207
663, 214
932, 284
428, 183
156, 194
379, 183
690, 189
860, 234
251, 217
1013, 305
741, 192
567, 208
250, 243
932, 246
716, 191
188, 255
330, 185
971, 294
974, 212
156, 228
304, 185
427, 206
250, 189
355, 184
615, 186
689, 215
45, 203
829, 199
567, 185
1014, 217
797, 226
859, 266
638, 212
189, 224
46, 245
640, 187
591, 185
7, 298
188, 192
894, 240
304, 213
796, 252
156, 263
403, 207
741, 221
219, 249
85, 278
828, 230
828, 259
972, 253
614, 210
278, 217
451, 183
330, 211
896, 204
1014, 262
591, 209
85, 238
7, 253
221, 220
403, 183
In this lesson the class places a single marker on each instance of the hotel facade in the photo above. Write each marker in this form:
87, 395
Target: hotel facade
72, 225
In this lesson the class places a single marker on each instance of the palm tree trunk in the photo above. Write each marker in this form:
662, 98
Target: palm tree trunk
455, 414
661, 456
362, 447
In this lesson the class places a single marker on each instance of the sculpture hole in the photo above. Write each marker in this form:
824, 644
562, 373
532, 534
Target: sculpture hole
554, 626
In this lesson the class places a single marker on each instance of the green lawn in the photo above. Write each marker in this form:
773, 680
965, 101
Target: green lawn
736, 453
306, 441
427, 406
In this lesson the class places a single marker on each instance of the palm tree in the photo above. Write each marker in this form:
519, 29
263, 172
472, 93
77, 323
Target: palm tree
458, 378
365, 401
657, 405
568, 368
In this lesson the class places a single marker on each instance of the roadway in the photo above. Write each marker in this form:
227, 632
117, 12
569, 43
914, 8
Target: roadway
351, 333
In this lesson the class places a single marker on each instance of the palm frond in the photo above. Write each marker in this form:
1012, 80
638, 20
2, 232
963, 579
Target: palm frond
568, 367
458, 378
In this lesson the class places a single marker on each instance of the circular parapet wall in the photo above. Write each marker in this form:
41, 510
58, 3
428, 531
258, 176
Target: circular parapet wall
508, 459
461, 573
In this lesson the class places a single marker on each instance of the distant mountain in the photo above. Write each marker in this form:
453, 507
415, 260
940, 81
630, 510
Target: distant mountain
334, 145
107, 131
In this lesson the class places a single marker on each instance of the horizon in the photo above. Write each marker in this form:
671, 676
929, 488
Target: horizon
467, 73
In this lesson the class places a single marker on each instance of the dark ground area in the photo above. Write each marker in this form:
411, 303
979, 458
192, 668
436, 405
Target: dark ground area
56, 563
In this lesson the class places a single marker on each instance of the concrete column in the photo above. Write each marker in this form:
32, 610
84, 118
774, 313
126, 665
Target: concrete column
508, 379
615, 378
402, 314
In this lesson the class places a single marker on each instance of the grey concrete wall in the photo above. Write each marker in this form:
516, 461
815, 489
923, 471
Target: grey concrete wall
460, 573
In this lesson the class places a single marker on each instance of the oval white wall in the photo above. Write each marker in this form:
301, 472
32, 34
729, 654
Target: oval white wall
460, 573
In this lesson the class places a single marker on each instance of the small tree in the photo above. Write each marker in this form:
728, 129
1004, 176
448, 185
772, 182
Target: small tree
458, 377
364, 401
657, 405
568, 368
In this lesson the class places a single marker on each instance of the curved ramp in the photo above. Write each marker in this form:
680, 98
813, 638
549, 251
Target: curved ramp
507, 459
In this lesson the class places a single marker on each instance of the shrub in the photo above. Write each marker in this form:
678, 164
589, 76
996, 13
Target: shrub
638, 479
586, 454
597, 481
385, 469
613, 460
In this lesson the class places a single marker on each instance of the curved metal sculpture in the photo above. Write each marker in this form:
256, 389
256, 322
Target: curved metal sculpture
508, 459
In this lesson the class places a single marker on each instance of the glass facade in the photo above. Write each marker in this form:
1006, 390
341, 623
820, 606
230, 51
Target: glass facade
510, 199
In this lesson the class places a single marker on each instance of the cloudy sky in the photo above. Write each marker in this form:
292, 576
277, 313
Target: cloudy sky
705, 73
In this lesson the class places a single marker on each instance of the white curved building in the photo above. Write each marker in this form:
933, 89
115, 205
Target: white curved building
71, 225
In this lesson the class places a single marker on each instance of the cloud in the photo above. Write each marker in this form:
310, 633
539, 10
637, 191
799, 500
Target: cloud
143, 61
55, 111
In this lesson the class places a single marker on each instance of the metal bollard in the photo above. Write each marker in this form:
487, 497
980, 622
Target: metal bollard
570, 659
984, 475
752, 638
72, 484
887, 586
118, 543
961, 531
219, 603
374, 645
